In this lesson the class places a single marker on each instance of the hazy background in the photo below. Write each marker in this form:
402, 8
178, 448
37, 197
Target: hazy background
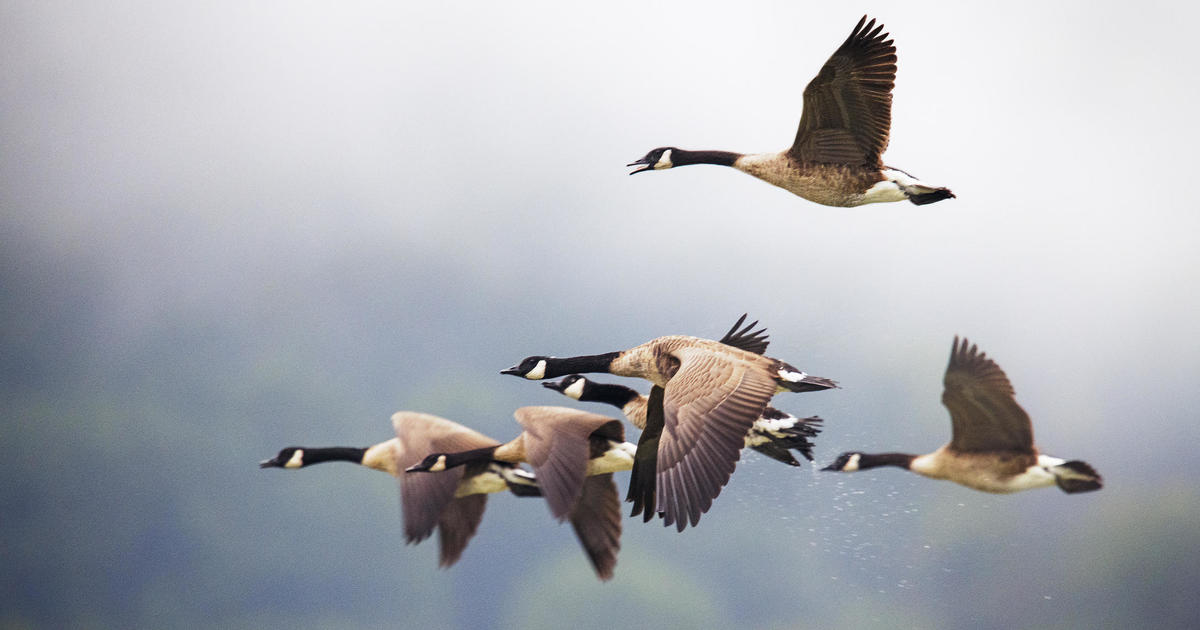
231, 227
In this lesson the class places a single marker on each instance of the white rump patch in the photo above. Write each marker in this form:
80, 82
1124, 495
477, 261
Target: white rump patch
775, 425
516, 475
884, 191
1045, 461
792, 377
297, 459
903, 180
896, 186
575, 390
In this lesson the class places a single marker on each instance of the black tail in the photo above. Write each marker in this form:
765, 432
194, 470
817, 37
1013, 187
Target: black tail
777, 452
1077, 476
808, 384
525, 490
931, 197
798, 437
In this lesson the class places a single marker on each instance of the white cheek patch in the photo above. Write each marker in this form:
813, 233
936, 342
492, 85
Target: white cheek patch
852, 465
664, 161
575, 390
439, 465
297, 459
538, 372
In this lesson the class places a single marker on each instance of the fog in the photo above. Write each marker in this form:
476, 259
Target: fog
229, 228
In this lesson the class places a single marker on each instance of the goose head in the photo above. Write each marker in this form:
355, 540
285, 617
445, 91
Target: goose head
846, 462
656, 160
435, 462
571, 386
532, 368
290, 457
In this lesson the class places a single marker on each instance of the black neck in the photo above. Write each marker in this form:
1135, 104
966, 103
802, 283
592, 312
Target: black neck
575, 365
679, 157
900, 460
334, 454
479, 455
609, 393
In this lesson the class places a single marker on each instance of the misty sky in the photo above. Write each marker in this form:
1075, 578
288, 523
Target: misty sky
232, 227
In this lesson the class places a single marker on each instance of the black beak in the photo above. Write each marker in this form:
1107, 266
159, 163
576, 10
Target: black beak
514, 370
414, 468
555, 385
644, 163
831, 467
270, 463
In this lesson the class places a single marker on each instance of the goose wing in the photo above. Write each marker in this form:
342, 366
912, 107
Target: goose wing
983, 413
848, 106
427, 499
708, 406
746, 338
457, 525
558, 448
596, 518
645, 460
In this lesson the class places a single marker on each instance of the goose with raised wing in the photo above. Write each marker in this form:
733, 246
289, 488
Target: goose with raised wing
991, 447
706, 397
573, 453
452, 502
836, 158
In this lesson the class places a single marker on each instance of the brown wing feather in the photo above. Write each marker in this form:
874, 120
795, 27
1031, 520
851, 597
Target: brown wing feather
557, 446
709, 405
457, 525
747, 338
596, 519
984, 414
425, 496
848, 106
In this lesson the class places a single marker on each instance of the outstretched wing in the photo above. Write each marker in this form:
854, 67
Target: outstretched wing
596, 519
425, 497
848, 106
557, 446
645, 460
709, 405
984, 414
457, 525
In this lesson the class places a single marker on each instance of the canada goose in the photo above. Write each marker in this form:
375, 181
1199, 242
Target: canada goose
991, 448
774, 434
711, 394
836, 159
573, 454
453, 501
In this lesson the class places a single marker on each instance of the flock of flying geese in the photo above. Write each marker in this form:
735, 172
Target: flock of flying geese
709, 400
